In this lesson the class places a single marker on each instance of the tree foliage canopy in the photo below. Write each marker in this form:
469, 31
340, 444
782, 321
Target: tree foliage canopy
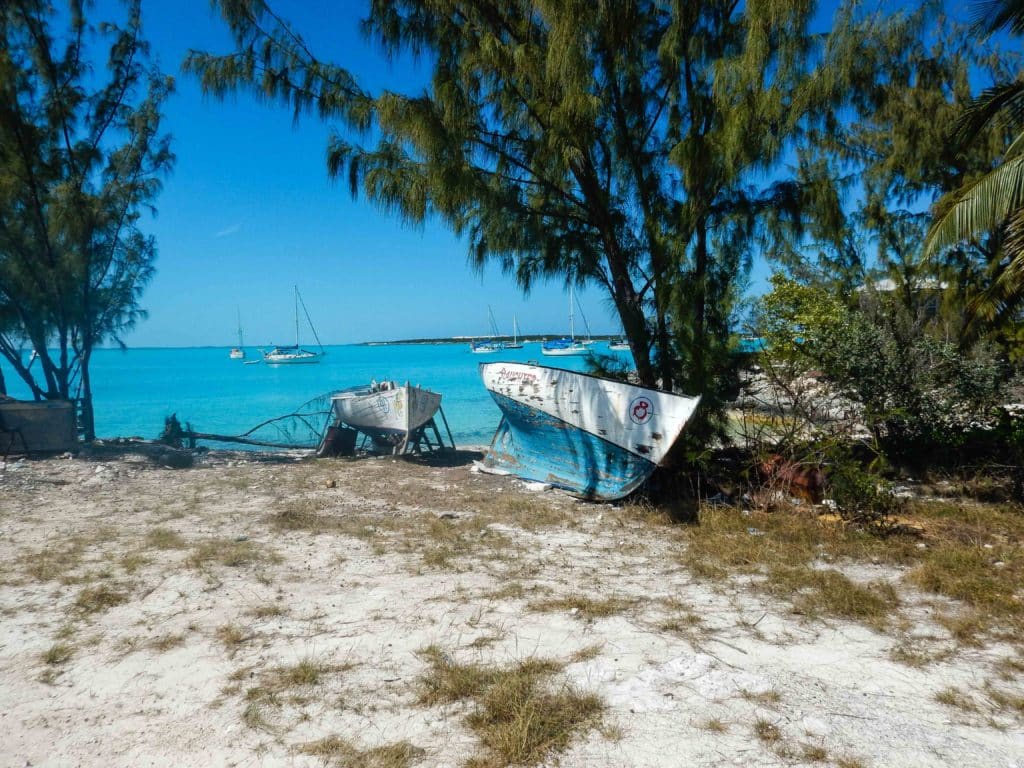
619, 143
81, 155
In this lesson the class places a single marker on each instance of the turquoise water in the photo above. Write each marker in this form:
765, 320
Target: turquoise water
135, 390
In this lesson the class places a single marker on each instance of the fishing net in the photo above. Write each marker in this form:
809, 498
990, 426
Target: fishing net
303, 428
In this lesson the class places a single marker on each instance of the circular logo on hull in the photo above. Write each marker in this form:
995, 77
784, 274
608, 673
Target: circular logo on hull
641, 410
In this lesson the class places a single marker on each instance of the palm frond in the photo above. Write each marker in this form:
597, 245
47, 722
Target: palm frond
1004, 100
982, 207
989, 16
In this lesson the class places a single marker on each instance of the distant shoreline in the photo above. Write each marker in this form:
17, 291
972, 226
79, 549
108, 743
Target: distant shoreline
532, 339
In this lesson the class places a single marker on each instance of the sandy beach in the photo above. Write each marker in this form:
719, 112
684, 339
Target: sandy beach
272, 611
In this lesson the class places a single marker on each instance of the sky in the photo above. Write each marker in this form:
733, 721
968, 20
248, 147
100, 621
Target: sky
249, 211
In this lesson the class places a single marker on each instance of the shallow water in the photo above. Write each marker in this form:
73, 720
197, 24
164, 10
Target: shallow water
136, 389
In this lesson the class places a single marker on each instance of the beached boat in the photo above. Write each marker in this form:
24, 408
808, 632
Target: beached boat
567, 346
238, 353
387, 412
293, 354
596, 437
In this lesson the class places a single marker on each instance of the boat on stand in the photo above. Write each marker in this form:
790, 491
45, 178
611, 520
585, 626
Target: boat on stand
238, 353
395, 417
567, 346
293, 354
597, 438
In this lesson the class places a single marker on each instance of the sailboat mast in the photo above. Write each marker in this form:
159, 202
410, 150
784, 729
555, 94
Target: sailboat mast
572, 330
238, 314
296, 314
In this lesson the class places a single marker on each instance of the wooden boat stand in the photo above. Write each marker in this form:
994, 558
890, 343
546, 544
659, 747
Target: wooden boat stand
341, 440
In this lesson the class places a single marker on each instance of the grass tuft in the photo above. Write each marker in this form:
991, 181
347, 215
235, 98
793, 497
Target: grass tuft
230, 552
583, 607
519, 718
58, 653
335, 750
100, 598
164, 538
767, 731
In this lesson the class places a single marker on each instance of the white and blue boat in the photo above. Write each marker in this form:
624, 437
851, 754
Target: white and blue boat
598, 438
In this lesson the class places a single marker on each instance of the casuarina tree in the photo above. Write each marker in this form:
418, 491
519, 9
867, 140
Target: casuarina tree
610, 143
81, 157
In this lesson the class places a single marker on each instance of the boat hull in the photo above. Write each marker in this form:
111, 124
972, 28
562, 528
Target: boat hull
596, 437
388, 416
573, 351
536, 446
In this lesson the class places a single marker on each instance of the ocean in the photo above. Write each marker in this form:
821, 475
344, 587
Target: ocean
134, 390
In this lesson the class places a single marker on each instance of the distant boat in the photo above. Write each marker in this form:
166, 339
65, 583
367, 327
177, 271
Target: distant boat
294, 354
385, 411
596, 437
567, 346
487, 346
238, 353
516, 344
618, 345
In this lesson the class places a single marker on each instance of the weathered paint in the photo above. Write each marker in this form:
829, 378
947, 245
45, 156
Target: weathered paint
388, 412
537, 446
597, 437
643, 421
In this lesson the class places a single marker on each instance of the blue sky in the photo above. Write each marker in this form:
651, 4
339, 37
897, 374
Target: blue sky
249, 211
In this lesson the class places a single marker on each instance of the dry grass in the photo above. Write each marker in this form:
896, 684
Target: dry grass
973, 553
586, 653
101, 598
954, 697
165, 642
819, 593
334, 750
233, 553
583, 607
813, 753
58, 653
164, 538
267, 611
291, 684
519, 717
714, 725
769, 698
233, 636
767, 731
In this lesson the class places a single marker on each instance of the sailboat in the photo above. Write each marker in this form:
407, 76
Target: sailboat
487, 346
294, 354
238, 353
567, 346
516, 343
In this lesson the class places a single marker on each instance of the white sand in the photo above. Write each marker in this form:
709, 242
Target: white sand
368, 604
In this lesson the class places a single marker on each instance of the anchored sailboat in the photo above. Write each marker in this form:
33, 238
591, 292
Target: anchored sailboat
487, 346
567, 346
294, 354
238, 353
516, 343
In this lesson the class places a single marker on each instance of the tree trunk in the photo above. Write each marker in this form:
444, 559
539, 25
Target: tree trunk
88, 421
700, 272
3, 384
